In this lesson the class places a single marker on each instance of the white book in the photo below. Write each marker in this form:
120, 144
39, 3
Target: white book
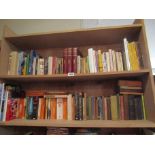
50, 64
59, 108
91, 62
13, 62
1, 97
108, 61
94, 61
5, 106
126, 54
34, 65
111, 60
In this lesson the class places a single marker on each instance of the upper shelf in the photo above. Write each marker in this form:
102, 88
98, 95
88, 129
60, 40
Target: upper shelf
86, 37
76, 77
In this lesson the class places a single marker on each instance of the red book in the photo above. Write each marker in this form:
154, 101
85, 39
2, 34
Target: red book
65, 61
69, 60
8, 112
74, 60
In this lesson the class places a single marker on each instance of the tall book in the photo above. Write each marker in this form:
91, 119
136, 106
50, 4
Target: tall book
69, 60
59, 108
65, 61
74, 60
126, 53
114, 107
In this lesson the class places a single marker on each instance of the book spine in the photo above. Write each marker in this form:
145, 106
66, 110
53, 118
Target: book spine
126, 54
74, 60
143, 106
65, 56
65, 112
59, 108
105, 109
69, 60
69, 107
84, 107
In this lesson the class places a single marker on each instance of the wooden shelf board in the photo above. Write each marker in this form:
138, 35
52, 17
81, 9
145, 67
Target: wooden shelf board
82, 37
87, 123
77, 77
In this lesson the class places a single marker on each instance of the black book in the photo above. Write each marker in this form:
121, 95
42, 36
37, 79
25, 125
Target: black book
131, 106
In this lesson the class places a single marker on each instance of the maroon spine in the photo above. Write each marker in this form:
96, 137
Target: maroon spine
65, 61
69, 60
74, 60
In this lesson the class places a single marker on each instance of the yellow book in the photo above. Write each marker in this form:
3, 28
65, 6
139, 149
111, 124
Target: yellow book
136, 65
114, 108
133, 56
100, 64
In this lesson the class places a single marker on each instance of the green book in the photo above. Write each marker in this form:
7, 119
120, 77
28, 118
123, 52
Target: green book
143, 106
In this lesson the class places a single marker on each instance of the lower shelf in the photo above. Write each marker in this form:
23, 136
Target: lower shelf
84, 123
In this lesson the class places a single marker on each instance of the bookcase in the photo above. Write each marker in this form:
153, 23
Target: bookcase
98, 84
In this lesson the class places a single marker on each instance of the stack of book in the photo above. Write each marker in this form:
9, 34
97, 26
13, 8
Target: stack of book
130, 87
132, 93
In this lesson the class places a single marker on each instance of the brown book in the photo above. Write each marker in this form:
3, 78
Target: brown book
108, 108
74, 60
69, 60
126, 108
65, 61
129, 83
122, 116
53, 108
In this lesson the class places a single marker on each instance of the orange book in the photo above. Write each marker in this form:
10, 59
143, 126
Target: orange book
42, 108
53, 108
65, 108
21, 108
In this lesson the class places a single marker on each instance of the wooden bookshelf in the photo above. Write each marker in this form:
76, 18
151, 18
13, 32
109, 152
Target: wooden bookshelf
93, 84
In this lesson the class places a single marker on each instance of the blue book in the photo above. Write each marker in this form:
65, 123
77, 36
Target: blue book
2, 97
20, 61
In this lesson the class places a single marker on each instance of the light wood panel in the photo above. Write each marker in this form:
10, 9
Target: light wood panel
87, 123
77, 77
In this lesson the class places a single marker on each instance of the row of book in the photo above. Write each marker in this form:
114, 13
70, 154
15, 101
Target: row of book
71, 106
31, 63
